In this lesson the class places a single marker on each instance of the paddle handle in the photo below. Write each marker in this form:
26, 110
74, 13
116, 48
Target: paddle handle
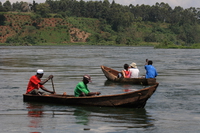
53, 85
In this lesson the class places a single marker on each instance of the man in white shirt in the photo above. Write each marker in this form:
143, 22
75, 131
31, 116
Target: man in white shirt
134, 70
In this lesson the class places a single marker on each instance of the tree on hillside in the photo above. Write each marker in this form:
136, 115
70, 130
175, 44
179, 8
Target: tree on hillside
99, 9
2, 9
7, 6
33, 6
176, 15
43, 9
83, 9
105, 9
163, 12
119, 16
54, 6
25, 7
76, 10
16, 6
91, 9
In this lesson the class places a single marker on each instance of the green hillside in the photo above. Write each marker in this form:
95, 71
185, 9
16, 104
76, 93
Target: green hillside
98, 23
31, 29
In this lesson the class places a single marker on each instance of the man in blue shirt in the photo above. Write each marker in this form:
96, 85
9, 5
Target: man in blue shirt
150, 70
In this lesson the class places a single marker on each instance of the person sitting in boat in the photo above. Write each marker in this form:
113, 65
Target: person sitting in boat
150, 69
81, 88
134, 70
35, 83
126, 73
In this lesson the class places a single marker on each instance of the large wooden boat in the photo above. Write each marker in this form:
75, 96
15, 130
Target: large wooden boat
112, 75
135, 99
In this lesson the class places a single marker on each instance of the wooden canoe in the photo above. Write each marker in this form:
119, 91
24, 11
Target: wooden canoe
135, 99
112, 74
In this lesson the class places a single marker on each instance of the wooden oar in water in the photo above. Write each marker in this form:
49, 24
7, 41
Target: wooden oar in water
53, 85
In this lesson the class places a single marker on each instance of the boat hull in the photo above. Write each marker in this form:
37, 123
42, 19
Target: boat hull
136, 99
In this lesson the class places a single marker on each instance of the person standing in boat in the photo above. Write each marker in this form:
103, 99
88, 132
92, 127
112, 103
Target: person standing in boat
134, 70
81, 88
150, 69
126, 73
35, 83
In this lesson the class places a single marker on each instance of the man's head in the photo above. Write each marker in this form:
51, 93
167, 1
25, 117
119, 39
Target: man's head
126, 66
150, 62
40, 73
87, 79
133, 65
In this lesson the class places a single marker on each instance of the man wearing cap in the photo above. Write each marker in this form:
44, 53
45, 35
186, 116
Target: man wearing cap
82, 89
134, 70
35, 83
150, 69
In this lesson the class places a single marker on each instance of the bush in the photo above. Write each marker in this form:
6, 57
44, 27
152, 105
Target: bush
58, 16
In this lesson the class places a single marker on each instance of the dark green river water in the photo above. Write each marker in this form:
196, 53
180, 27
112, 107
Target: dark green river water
174, 107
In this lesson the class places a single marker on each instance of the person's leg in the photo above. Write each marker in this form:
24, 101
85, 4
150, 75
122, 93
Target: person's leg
42, 93
34, 92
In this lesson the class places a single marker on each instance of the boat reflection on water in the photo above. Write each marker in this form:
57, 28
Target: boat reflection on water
35, 113
81, 116
119, 117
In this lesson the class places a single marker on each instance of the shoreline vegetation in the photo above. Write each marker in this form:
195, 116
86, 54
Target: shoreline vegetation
99, 23
194, 46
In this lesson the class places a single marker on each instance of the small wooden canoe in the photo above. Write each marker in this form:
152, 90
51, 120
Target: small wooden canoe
112, 75
135, 99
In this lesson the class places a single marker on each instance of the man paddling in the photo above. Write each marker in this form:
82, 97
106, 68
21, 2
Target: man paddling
82, 89
35, 83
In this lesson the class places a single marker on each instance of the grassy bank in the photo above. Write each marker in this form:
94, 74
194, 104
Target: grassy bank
30, 29
144, 44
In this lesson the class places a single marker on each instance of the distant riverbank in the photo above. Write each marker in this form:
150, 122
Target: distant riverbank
157, 46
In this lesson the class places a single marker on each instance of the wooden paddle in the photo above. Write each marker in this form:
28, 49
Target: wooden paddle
52, 85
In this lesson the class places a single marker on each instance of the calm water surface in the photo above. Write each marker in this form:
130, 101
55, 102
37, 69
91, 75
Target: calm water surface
174, 107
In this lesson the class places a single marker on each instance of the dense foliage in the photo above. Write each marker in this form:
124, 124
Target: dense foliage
130, 25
